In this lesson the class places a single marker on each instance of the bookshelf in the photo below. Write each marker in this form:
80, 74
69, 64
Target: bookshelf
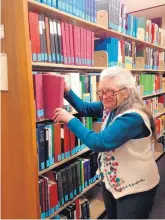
21, 200
38, 66
100, 31
154, 94
70, 202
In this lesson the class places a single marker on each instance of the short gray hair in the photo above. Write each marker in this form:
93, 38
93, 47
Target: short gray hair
122, 77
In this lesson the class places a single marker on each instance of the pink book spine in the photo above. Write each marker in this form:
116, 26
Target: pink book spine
38, 94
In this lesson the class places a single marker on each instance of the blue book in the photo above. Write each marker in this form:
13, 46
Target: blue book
86, 10
66, 8
49, 2
44, 1
54, 3
70, 5
59, 4
74, 7
92, 11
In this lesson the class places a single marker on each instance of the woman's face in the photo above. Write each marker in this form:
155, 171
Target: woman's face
110, 95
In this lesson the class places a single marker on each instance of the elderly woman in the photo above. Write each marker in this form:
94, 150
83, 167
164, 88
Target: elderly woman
126, 164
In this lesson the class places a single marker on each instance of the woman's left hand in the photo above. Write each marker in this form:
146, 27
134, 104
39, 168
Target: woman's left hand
61, 115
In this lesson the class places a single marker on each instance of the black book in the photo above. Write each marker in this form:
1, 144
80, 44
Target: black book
58, 179
41, 145
64, 185
78, 177
67, 212
84, 214
73, 167
46, 130
56, 41
44, 39
69, 177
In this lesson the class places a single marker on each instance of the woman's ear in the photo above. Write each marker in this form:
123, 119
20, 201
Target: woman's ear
126, 93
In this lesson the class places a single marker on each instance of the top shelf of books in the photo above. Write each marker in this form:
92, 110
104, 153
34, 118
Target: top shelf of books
99, 30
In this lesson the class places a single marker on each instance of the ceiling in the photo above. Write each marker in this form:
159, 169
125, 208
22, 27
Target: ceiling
135, 5
155, 12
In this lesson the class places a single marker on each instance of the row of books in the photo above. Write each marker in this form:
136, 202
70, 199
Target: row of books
56, 142
138, 27
153, 103
160, 125
84, 9
59, 186
129, 55
152, 83
60, 42
78, 210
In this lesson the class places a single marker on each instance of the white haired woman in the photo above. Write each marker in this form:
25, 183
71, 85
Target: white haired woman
126, 164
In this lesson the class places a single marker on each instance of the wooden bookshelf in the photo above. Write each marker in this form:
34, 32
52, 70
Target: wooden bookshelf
41, 66
64, 161
157, 155
78, 196
100, 31
159, 114
154, 94
97, 207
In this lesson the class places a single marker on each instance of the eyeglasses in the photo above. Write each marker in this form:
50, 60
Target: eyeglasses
108, 93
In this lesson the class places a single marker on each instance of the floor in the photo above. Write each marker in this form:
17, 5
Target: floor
158, 211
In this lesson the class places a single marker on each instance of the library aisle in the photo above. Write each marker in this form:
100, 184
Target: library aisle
83, 109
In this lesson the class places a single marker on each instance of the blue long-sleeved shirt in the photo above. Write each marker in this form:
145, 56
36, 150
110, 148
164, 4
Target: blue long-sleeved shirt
128, 126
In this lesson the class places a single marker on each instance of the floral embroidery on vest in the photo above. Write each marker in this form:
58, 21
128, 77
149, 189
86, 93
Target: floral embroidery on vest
110, 169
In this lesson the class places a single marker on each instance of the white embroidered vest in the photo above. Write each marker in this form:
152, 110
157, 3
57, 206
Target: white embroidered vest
130, 168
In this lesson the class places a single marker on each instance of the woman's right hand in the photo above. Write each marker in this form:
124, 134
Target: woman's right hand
66, 88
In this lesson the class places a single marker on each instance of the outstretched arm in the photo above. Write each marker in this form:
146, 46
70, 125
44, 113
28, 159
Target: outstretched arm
85, 109
128, 126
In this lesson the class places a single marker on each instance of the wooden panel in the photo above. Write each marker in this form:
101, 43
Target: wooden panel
100, 31
20, 197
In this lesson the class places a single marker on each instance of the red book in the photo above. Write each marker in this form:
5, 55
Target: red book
53, 194
32, 35
53, 92
75, 41
92, 38
78, 209
88, 48
71, 141
64, 50
38, 94
161, 99
66, 26
37, 37
153, 33
71, 43
66, 141
78, 46
82, 46
85, 46
57, 142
